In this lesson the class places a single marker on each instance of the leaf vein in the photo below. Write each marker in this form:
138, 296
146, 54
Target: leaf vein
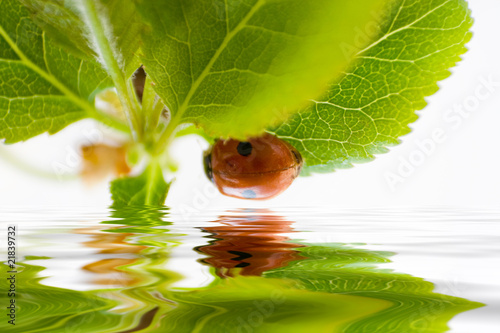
403, 28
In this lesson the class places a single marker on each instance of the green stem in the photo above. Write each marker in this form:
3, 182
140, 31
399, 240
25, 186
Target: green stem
107, 55
151, 110
152, 169
167, 136
136, 105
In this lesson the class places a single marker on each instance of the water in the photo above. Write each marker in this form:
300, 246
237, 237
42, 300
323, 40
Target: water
254, 270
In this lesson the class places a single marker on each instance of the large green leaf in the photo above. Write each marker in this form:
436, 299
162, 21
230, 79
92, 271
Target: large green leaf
62, 21
147, 189
43, 88
236, 67
372, 104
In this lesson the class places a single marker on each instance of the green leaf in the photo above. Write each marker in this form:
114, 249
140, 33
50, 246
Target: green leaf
62, 21
236, 67
147, 189
371, 105
43, 88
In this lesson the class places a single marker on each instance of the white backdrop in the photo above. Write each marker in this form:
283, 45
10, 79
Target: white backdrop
459, 170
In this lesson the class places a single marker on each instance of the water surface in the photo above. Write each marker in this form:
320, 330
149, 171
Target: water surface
255, 270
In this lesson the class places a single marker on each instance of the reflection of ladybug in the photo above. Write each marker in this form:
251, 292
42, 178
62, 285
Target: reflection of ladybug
259, 168
249, 243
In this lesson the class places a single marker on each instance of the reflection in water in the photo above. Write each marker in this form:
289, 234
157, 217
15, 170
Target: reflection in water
111, 243
253, 243
262, 283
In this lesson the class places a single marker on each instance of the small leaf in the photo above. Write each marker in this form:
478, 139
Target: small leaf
235, 67
43, 87
147, 189
372, 104
62, 21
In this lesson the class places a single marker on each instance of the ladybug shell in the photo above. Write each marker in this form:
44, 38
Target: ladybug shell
259, 168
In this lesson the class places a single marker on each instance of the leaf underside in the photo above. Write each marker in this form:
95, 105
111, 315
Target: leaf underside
62, 22
236, 67
43, 88
371, 105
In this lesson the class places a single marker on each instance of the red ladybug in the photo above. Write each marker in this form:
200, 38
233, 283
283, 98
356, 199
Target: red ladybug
259, 168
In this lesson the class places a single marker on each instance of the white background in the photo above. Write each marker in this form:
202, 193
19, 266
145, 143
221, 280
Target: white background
462, 171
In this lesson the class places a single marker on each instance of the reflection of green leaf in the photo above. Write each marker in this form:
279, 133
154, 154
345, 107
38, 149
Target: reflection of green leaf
335, 268
148, 221
236, 67
43, 88
139, 216
62, 21
381, 300
373, 103
42, 308
266, 305
336, 289
147, 189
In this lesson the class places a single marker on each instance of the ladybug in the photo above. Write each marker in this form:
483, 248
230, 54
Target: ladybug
259, 168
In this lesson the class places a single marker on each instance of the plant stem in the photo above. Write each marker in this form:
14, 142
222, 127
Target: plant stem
168, 134
137, 107
108, 57
152, 169
151, 110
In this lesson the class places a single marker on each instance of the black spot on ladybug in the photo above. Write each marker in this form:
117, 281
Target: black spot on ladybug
244, 148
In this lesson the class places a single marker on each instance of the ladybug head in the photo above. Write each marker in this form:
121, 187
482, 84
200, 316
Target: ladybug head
207, 164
